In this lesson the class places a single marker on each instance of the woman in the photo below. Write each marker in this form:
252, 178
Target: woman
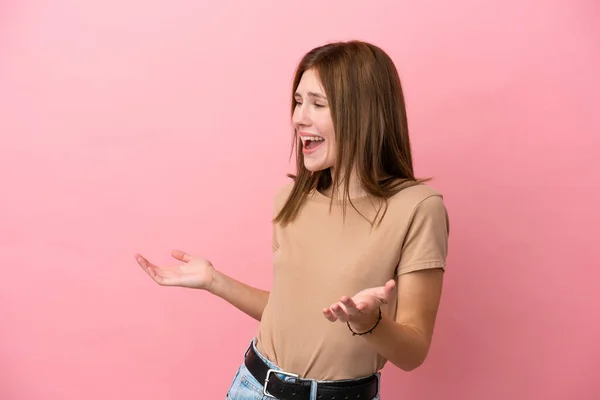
359, 243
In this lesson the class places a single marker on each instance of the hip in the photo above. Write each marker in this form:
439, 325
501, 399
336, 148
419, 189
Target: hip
258, 378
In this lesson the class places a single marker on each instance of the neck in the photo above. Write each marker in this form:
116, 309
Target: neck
355, 190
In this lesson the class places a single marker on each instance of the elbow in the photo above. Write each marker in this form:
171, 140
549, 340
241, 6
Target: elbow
413, 362
411, 365
411, 351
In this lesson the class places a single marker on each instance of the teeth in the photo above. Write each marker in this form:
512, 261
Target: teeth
313, 138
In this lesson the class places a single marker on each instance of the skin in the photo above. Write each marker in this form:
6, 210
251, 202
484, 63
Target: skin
199, 273
404, 341
312, 116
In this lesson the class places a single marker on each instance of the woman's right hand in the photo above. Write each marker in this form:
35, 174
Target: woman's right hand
194, 272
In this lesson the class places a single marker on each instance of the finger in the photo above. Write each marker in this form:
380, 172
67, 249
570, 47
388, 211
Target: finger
165, 273
329, 315
181, 256
149, 268
339, 310
388, 290
145, 264
351, 306
384, 293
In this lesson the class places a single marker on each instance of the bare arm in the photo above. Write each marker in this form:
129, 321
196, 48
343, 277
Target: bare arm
250, 300
199, 273
406, 341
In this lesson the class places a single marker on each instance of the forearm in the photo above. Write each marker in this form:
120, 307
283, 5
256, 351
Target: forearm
402, 345
250, 300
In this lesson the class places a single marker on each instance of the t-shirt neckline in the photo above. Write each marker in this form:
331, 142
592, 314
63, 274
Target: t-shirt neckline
316, 195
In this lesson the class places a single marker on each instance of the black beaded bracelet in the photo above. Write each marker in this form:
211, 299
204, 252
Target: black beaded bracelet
369, 331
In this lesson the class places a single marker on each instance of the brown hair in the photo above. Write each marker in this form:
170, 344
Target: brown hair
369, 117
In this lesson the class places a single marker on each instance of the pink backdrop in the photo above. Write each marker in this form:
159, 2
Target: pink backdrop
142, 126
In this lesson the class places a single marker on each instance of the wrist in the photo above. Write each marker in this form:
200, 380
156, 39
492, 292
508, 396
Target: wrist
366, 326
216, 283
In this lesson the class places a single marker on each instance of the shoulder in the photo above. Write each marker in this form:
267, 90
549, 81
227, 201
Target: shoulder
421, 202
282, 193
418, 195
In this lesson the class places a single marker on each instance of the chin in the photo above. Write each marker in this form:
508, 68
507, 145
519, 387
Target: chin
316, 166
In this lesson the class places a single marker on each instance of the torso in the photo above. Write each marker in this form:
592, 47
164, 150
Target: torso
318, 259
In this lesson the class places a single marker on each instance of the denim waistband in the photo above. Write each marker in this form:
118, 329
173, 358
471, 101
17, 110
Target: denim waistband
276, 367
262, 357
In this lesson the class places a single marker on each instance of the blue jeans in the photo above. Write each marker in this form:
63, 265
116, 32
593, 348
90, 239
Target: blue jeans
246, 387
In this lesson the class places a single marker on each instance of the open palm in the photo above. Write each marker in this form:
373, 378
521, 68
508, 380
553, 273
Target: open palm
194, 272
362, 308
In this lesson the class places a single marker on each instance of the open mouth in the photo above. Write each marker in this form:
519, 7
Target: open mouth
310, 143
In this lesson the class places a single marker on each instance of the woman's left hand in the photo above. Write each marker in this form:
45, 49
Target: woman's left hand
362, 310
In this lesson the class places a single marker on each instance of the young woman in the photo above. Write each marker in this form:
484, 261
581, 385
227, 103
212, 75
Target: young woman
359, 243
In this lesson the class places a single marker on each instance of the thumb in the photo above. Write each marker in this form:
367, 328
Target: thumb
388, 289
181, 256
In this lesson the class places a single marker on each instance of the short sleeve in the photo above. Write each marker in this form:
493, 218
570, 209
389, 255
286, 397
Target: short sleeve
425, 245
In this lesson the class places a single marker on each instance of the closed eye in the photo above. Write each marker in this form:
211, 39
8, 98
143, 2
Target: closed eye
317, 105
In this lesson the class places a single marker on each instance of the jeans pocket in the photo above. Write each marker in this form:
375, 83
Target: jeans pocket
245, 386
233, 383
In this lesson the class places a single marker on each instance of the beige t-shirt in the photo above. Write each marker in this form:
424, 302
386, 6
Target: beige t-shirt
318, 258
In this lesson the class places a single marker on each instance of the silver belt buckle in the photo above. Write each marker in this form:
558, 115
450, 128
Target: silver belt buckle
274, 371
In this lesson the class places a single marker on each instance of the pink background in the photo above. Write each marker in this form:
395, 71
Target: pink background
142, 126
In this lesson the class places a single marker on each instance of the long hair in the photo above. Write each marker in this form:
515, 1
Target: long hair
367, 107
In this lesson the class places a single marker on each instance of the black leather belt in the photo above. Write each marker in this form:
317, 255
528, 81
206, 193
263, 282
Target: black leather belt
299, 389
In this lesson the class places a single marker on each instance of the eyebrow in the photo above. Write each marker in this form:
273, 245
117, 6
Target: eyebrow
312, 94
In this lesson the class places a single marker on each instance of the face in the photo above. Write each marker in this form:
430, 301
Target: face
313, 123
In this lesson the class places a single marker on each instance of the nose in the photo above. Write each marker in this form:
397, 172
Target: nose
301, 117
